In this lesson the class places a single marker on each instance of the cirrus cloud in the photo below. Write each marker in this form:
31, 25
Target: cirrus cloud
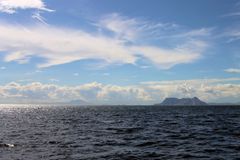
232, 70
62, 45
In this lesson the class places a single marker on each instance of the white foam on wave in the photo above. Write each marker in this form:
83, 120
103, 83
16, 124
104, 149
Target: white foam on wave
10, 145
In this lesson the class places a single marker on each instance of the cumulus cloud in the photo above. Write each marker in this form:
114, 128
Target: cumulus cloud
62, 45
10, 6
232, 70
210, 90
93, 93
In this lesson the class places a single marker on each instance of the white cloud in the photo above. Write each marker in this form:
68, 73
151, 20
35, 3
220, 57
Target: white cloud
145, 67
202, 32
38, 17
232, 14
10, 6
132, 29
76, 74
167, 58
193, 81
38, 71
2, 68
233, 34
232, 70
210, 90
123, 27
106, 74
60, 46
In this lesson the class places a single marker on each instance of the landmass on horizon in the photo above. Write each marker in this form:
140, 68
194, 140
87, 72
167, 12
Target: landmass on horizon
183, 102
170, 101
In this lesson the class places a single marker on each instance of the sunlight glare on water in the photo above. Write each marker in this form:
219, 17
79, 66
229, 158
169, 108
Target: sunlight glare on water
125, 132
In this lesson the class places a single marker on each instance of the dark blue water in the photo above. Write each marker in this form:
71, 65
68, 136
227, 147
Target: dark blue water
95, 133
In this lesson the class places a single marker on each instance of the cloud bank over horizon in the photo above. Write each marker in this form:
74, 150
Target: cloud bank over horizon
209, 90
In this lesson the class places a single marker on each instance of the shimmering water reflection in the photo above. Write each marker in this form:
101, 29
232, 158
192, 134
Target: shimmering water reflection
123, 132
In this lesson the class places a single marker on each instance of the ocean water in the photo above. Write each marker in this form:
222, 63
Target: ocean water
124, 132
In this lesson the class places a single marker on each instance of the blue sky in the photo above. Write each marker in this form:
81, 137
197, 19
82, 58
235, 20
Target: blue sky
119, 52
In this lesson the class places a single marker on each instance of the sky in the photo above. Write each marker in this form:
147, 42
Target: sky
119, 51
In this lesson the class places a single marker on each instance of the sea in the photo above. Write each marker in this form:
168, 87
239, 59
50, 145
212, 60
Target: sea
57, 132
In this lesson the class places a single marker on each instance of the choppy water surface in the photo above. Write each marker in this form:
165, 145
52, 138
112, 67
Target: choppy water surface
72, 133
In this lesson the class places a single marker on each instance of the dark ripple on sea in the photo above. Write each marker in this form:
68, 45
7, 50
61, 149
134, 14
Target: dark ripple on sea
115, 133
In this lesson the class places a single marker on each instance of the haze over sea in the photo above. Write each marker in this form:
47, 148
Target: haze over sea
53, 132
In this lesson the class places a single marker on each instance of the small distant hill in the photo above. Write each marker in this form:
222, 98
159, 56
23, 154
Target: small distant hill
182, 102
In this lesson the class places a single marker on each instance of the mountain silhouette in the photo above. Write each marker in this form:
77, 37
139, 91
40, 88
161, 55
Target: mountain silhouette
183, 101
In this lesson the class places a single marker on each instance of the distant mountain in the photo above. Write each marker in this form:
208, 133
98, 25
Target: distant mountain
182, 102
